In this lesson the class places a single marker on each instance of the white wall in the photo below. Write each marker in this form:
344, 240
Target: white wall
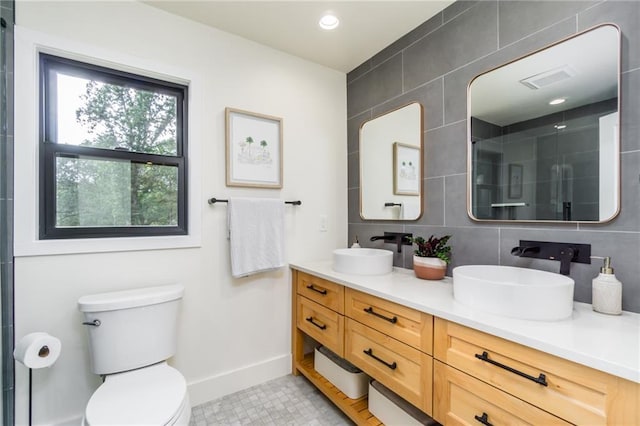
233, 333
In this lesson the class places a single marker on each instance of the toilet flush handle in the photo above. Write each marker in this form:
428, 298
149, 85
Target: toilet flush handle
95, 323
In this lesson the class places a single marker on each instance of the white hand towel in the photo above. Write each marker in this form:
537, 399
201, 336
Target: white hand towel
410, 210
256, 235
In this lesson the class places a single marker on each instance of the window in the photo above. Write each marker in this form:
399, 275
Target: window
112, 153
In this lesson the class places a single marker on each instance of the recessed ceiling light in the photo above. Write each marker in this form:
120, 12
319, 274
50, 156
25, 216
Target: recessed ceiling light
557, 101
329, 22
560, 126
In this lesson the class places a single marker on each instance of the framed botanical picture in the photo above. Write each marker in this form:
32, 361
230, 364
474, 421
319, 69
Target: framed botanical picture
253, 149
406, 169
515, 180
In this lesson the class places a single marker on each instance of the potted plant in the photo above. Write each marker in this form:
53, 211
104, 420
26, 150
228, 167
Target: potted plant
431, 257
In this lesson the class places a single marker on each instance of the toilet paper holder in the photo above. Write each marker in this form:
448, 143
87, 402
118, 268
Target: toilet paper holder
36, 350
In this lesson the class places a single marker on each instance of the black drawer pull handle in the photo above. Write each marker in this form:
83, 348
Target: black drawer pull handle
311, 287
541, 380
320, 326
369, 352
369, 310
483, 419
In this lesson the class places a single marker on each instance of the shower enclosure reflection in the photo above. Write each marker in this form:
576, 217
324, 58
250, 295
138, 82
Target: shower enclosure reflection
542, 169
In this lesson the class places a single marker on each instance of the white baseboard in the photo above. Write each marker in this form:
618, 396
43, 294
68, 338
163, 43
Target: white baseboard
226, 383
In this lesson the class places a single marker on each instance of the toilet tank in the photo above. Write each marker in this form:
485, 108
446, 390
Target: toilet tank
132, 328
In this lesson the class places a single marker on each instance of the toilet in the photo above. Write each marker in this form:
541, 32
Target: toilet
131, 335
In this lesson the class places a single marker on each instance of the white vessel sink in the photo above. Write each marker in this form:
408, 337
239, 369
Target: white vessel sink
363, 261
514, 292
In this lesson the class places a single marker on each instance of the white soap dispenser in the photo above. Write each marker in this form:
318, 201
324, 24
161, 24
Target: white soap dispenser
356, 244
607, 291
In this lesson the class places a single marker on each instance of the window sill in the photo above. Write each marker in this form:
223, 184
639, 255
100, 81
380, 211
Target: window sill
103, 245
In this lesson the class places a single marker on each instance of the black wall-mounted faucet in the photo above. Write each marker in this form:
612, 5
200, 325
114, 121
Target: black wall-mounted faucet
564, 252
521, 251
399, 238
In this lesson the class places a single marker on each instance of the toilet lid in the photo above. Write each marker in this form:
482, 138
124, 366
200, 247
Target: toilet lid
147, 396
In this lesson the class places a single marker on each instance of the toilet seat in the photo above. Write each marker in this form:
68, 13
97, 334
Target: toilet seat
155, 395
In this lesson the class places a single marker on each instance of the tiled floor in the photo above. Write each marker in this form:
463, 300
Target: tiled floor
289, 400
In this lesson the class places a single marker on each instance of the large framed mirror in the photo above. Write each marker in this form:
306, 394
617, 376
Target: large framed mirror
391, 165
543, 134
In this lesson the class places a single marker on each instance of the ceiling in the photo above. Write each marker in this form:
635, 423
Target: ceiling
366, 27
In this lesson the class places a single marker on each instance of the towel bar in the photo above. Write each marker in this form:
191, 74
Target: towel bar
219, 200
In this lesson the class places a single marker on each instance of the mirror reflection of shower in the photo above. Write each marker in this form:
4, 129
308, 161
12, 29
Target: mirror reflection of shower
535, 170
561, 190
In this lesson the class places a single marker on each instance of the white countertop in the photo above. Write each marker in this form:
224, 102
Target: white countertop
605, 342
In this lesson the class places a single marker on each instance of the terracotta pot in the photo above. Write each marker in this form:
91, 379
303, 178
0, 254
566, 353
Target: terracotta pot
429, 268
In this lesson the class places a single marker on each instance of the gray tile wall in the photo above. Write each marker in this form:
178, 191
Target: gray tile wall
6, 207
433, 64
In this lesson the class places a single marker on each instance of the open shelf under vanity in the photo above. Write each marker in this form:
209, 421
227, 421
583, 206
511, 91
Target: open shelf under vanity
356, 409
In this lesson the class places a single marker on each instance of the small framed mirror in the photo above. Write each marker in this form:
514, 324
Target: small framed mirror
543, 134
391, 165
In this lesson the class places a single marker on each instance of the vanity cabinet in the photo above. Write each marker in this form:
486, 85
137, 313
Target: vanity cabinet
321, 291
464, 400
456, 374
388, 341
322, 324
406, 325
318, 312
391, 343
401, 368
482, 369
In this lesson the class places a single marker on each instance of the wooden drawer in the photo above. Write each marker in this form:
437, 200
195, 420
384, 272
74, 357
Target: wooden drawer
324, 292
322, 324
573, 392
403, 369
407, 325
459, 399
